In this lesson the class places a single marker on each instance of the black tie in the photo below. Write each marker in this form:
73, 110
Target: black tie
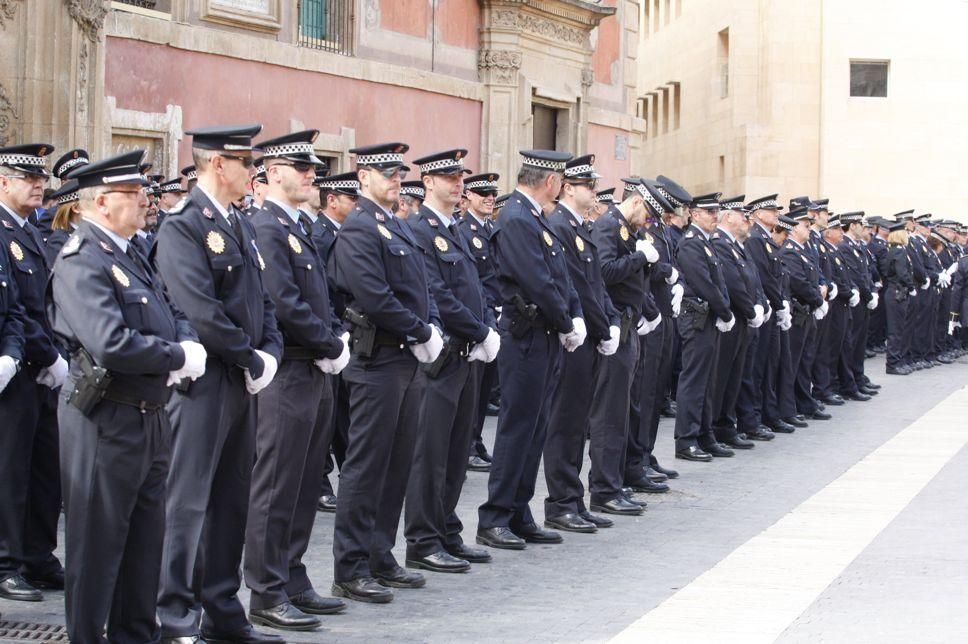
305, 223
452, 228
236, 226
134, 254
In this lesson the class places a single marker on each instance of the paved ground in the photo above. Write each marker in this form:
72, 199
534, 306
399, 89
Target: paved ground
908, 584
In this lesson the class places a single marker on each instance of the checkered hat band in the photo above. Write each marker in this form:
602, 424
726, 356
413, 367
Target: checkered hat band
412, 191
260, 169
784, 225
766, 204
557, 166
192, 175
69, 197
373, 159
605, 199
649, 199
579, 169
287, 149
340, 185
21, 159
67, 165
675, 202
456, 164
171, 186
475, 185
732, 205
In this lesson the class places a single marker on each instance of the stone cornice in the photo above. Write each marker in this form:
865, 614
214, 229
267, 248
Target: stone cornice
582, 14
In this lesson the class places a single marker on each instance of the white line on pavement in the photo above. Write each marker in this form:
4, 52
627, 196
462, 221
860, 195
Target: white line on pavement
760, 588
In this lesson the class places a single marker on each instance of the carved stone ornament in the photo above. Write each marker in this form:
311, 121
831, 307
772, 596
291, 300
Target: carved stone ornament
8, 9
89, 16
7, 113
511, 19
503, 65
587, 77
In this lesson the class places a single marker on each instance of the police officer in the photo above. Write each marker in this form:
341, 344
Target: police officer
448, 412
64, 165
296, 411
572, 401
603, 200
477, 226
853, 382
541, 313
378, 264
831, 344
412, 195
900, 289
207, 256
31, 497
705, 314
112, 314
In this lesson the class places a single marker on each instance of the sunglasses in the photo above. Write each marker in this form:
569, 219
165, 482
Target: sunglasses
390, 173
247, 162
299, 166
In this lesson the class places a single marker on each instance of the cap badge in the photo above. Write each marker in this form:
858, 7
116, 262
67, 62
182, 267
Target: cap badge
16, 251
579, 244
215, 243
294, 244
441, 244
623, 232
478, 244
120, 276
547, 238
383, 231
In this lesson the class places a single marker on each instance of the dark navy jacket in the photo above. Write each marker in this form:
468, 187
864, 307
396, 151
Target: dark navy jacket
803, 273
12, 316
478, 239
735, 268
702, 272
765, 254
623, 268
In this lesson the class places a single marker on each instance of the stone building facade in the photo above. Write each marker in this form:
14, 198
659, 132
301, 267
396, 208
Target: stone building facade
492, 76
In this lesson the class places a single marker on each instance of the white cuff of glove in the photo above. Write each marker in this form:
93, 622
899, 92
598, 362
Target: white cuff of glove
674, 277
427, 352
255, 385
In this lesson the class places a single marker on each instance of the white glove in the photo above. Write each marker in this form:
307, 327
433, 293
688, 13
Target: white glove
785, 322
580, 330
878, 285
768, 314
491, 345
646, 327
55, 375
427, 352
194, 367
951, 331
255, 385
647, 249
333, 366
677, 293
912, 292
8, 369
832, 293
759, 318
854, 298
944, 280
610, 346
875, 298
574, 339
674, 277
725, 326
820, 311
477, 353
927, 284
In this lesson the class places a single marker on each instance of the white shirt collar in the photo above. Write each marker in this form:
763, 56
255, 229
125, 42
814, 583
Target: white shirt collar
703, 232
534, 203
17, 218
120, 241
292, 212
141, 233
480, 221
574, 214
218, 206
444, 218
335, 223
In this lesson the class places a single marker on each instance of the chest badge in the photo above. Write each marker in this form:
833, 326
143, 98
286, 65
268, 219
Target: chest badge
16, 251
215, 243
478, 244
441, 244
120, 276
837, 259
708, 252
383, 231
294, 244
769, 249
579, 244
547, 238
623, 232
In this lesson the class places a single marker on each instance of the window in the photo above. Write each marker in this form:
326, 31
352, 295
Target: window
327, 25
544, 127
722, 169
665, 110
676, 101
723, 61
869, 78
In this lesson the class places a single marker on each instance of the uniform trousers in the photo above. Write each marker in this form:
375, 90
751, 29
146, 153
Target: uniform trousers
447, 421
728, 379
386, 391
785, 376
488, 382
336, 449
693, 400
528, 372
295, 424
114, 464
653, 370
831, 347
212, 451
611, 426
803, 340
749, 404
855, 349
896, 305
922, 334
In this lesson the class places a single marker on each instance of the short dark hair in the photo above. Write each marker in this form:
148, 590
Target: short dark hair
532, 177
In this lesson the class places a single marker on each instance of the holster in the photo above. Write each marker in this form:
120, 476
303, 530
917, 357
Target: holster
625, 326
699, 310
524, 317
90, 388
801, 313
362, 334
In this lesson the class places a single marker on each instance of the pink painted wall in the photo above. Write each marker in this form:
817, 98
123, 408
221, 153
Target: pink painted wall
607, 50
214, 90
601, 143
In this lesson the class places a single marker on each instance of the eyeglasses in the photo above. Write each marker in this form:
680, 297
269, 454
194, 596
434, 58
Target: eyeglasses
299, 166
29, 178
247, 162
390, 173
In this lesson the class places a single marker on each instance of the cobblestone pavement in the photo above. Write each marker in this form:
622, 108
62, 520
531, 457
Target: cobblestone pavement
907, 585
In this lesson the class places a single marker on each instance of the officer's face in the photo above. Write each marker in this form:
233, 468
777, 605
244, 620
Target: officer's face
22, 192
234, 172
384, 190
705, 218
481, 204
768, 216
124, 207
822, 218
446, 188
834, 235
295, 184
168, 200
583, 195
800, 232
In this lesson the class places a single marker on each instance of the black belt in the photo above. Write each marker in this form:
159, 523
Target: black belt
143, 405
459, 347
387, 339
299, 353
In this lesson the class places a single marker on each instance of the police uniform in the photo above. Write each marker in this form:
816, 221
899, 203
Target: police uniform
899, 287
826, 374
212, 269
540, 302
295, 411
877, 249
852, 378
30, 504
378, 264
448, 413
103, 299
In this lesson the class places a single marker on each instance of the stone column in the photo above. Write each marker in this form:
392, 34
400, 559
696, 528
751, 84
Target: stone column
500, 127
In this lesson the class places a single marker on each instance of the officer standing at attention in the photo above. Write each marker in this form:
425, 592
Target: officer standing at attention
541, 311
207, 257
900, 291
30, 495
571, 405
296, 411
448, 413
705, 314
378, 264
110, 311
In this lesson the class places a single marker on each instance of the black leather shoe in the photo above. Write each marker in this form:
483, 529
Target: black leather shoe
597, 521
871, 385
761, 433
570, 522
654, 475
398, 577
632, 499
619, 505
945, 359
669, 409
326, 503
312, 603
501, 538
469, 553
647, 485
53, 580
781, 427
834, 400
477, 464
738, 442
440, 561
534, 534
363, 589
17, 589
898, 371
245, 635
492, 409
858, 396
719, 450
285, 617
672, 474
819, 415
693, 453
867, 391
796, 421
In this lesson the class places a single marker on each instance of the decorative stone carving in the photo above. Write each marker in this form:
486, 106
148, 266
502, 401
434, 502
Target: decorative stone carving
8, 9
7, 113
587, 77
83, 66
89, 16
371, 14
512, 19
500, 65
